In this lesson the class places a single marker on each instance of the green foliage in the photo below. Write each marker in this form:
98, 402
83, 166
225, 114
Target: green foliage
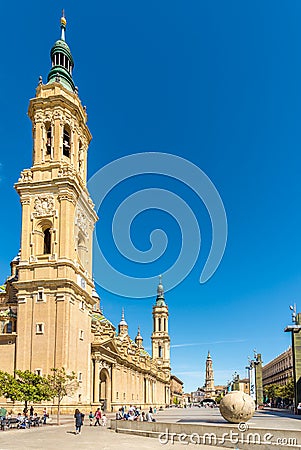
61, 385
8, 387
274, 391
218, 398
26, 386
289, 390
32, 387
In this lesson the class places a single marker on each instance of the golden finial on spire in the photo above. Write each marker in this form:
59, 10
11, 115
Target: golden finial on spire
63, 25
63, 19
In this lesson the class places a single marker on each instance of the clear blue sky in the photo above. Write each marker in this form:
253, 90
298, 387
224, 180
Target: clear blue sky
215, 82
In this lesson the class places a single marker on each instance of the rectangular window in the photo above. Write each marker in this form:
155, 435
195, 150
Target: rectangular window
124, 396
81, 335
39, 328
80, 377
116, 395
41, 295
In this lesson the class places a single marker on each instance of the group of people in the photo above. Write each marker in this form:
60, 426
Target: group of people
24, 420
99, 418
134, 413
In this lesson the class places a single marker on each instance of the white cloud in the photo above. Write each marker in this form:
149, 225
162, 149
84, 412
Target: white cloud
193, 344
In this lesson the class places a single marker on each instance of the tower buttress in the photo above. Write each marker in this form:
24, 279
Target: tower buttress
160, 337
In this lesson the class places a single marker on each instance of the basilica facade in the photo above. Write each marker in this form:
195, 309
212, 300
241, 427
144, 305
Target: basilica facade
50, 315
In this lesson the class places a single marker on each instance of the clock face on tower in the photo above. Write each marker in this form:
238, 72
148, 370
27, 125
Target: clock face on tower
81, 282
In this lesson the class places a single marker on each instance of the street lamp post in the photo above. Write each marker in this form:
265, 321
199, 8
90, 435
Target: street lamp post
252, 379
294, 329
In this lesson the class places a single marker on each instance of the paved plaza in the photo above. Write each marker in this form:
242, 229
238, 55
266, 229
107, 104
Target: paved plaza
52, 437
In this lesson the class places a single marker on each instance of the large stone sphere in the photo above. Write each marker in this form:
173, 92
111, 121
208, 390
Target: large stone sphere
237, 407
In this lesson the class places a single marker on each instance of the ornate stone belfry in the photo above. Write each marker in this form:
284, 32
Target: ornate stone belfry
160, 337
209, 381
55, 270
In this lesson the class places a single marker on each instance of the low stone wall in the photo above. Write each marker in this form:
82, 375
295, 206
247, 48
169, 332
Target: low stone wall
221, 435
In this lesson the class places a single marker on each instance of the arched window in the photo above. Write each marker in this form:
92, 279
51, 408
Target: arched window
165, 325
159, 324
66, 142
47, 241
160, 351
48, 139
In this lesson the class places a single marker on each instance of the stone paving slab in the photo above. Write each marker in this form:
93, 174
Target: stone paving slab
64, 437
52, 437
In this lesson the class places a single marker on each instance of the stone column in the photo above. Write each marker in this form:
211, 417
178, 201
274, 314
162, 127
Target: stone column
96, 382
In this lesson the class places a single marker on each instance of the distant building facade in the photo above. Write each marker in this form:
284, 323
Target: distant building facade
279, 370
244, 385
176, 391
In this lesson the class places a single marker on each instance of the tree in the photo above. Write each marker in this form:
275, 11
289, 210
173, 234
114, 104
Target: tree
7, 385
288, 391
285, 392
32, 387
61, 385
26, 387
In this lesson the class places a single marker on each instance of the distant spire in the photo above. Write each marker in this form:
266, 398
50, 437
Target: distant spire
160, 293
123, 321
138, 338
160, 289
208, 356
122, 326
63, 25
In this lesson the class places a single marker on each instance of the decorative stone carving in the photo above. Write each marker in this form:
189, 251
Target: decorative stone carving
237, 407
82, 222
65, 172
26, 176
104, 365
38, 117
44, 205
58, 115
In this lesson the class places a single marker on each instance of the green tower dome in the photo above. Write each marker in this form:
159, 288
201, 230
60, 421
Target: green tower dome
62, 61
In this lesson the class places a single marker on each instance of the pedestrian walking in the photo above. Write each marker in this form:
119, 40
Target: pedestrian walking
104, 420
91, 417
45, 415
97, 417
78, 421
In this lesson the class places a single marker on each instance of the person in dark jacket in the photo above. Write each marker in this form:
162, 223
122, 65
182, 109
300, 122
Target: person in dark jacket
78, 421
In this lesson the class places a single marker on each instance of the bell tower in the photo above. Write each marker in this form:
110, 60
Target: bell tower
55, 270
209, 381
160, 337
